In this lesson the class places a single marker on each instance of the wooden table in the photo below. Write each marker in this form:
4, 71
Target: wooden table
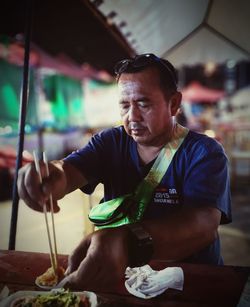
204, 285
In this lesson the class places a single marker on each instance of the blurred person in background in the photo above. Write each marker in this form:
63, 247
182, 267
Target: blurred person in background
181, 220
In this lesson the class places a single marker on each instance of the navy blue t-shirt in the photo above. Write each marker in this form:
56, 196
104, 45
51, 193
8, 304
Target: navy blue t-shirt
197, 176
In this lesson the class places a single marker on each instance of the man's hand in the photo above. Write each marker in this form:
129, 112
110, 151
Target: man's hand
99, 261
35, 193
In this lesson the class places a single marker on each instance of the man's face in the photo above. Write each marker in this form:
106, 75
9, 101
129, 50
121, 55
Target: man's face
146, 112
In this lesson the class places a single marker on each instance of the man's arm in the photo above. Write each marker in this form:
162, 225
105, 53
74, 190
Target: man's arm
100, 260
183, 233
75, 179
63, 179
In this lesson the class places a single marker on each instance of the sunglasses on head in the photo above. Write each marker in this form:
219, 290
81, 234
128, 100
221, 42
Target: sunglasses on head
145, 60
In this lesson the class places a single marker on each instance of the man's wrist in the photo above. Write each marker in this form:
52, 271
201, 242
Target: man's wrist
140, 245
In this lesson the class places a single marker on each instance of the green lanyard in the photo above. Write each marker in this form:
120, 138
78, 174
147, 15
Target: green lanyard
144, 190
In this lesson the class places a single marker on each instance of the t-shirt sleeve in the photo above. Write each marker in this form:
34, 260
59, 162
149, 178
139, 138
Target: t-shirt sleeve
91, 159
207, 180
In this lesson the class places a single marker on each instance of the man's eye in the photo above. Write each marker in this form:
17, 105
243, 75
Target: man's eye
143, 104
124, 106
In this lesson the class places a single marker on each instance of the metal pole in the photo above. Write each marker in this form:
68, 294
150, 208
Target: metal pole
22, 117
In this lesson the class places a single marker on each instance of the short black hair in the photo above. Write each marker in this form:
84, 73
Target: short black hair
167, 73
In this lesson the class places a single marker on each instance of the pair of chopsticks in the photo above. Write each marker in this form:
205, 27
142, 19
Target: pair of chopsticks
53, 255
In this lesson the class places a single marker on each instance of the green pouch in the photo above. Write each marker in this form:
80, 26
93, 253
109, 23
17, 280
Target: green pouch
115, 212
130, 208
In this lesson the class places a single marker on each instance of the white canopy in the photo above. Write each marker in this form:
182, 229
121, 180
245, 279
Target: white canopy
184, 31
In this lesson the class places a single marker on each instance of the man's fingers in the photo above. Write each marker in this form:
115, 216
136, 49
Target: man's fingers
55, 206
33, 184
55, 184
77, 256
30, 189
85, 276
23, 194
30, 203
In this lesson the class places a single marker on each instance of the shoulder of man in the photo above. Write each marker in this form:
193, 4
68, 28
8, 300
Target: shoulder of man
199, 144
114, 134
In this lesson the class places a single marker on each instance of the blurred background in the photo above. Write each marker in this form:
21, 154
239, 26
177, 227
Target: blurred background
72, 94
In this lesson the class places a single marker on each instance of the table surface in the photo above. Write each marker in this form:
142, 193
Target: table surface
204, 285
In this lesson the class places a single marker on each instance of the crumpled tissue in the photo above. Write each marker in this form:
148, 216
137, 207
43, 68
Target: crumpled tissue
144, 282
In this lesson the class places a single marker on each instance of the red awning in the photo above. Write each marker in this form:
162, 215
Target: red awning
195, 92
8, 157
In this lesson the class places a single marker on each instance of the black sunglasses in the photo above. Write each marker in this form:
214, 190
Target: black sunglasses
145, 60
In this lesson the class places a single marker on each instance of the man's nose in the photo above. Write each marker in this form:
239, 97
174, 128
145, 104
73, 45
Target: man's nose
134, 113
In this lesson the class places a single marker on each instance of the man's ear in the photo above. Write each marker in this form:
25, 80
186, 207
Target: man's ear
175, 102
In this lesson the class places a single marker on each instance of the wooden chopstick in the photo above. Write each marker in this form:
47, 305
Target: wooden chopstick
45, 160
52, 257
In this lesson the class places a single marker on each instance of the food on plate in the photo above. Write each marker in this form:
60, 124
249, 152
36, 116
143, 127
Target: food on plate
49, 278
22, 301
58, 298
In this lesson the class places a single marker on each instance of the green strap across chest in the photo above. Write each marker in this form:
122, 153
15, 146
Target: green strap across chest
144, 190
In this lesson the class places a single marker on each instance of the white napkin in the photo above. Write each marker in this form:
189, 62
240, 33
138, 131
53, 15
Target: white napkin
146, 283
4, 292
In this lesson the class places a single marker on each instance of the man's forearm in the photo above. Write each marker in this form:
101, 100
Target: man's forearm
74, 179
183, 233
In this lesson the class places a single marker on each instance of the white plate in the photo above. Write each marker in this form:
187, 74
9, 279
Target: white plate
7, 301
44, 287
61, 284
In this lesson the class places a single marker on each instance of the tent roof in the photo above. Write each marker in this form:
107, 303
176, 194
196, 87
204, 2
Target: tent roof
190, 31
100, 32
202, 47
66, 27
